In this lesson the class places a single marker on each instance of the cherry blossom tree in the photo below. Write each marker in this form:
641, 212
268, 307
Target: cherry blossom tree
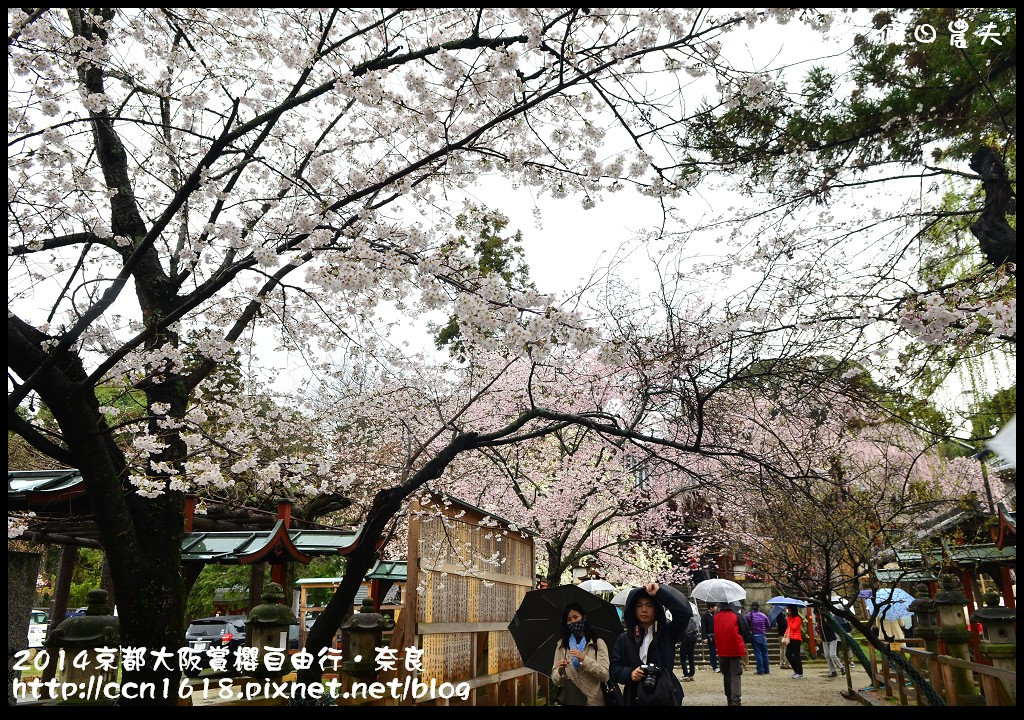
185, 183
582, 497
180, 178
870, 486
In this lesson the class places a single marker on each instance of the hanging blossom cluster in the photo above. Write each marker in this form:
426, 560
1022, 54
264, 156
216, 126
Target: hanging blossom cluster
939, 319
18, 524
755, 92
231, 440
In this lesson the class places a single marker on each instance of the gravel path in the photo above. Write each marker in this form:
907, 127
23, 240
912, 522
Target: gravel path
776, 688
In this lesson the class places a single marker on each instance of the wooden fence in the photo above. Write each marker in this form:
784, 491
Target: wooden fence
996, 686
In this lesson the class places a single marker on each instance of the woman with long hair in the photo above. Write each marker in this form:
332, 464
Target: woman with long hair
581, 660
794, 625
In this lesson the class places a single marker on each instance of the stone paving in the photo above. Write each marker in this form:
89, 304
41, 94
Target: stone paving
777, 688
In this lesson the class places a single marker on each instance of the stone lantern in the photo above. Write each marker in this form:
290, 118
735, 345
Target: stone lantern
267, 628
998, 636
950, 602
91, 649
926, 618
361, 635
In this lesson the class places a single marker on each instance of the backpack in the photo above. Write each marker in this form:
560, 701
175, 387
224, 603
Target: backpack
692, 631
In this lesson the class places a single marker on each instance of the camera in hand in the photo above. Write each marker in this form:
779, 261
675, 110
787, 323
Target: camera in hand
650, 675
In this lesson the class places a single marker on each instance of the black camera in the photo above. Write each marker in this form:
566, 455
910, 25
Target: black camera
650, 676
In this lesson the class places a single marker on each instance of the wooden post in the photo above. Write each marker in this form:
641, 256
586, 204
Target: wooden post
885, 676
952, 698
59, 606
848, 666
1008, 598
873, 657
972, 607
190, 510
302, 616
935, 676
256, 573
811, 650
375, 594
915, 661
990, 687
901, 684
284, 512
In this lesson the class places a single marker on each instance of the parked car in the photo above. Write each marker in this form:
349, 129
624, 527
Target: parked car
220, 631
37, 624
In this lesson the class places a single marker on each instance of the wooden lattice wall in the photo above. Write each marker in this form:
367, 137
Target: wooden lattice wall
467, 576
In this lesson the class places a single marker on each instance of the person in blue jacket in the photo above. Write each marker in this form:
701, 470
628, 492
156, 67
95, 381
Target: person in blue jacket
651, 637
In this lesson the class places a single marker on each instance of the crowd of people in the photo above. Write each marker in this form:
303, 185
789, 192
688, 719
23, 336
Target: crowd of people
642, 660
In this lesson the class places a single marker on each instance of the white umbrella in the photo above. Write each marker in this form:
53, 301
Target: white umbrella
718, 590
597, 586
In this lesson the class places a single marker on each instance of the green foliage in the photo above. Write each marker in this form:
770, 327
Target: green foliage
212, 577
327, 566
481, 250
85, 577
993, 412
903, 101
957, 97
903, 104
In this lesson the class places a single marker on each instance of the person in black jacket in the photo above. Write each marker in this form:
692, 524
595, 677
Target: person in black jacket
781, 627
650, 638
707, 633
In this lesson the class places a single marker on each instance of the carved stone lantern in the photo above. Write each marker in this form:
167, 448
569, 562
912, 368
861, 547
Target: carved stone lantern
361, 635
90, 644
998, 636
926, 618
267, 628
950, 602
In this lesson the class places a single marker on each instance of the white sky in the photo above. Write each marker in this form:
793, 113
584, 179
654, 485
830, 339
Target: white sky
566, 244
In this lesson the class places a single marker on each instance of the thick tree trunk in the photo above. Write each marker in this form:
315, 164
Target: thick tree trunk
107, 583
996, 237
141, 537
555, 569
385, 506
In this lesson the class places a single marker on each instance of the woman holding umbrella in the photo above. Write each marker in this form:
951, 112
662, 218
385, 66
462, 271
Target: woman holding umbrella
581, 660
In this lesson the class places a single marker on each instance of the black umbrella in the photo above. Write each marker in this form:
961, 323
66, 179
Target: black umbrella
537, 624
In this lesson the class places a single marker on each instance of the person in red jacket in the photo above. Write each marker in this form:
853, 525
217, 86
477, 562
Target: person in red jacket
730, 629
795, 624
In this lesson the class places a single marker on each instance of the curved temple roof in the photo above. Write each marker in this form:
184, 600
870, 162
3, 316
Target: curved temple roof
245, 547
